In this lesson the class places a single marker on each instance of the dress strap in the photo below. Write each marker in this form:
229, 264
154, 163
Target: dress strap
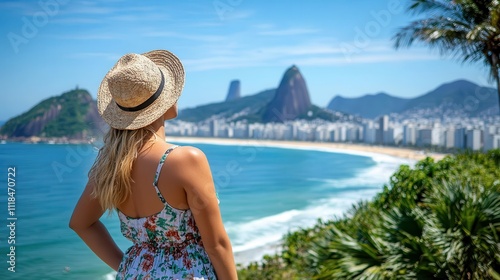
158, 170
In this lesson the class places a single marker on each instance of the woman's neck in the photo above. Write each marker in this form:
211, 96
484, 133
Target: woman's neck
159, 129
160, 133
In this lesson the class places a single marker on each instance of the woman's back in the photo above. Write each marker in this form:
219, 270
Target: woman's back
167, 243
144, 200
167, 213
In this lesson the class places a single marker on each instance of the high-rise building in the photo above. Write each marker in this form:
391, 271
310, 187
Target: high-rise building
214, 128
449, 137
460, 138
474, 139
409, 135
383, 126
424, 137
389, 137
369, 132
489, 135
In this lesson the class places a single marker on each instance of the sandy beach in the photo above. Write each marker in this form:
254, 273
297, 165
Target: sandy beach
350, 148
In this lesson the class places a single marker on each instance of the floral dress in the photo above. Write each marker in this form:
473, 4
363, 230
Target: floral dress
167, 245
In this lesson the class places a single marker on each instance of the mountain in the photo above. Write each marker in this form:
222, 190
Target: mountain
230, 110
234, 91
73, 114
460, 98
291, 99
462, 94
368, 106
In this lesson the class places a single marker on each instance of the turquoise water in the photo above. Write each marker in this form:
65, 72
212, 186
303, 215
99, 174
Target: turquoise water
264, 193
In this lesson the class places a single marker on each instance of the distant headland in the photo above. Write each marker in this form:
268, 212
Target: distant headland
71, 117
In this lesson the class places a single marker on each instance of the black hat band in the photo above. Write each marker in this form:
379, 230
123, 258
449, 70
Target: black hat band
148, 101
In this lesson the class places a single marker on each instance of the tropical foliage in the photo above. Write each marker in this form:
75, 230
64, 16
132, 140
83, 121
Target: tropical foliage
437, 220
467, 29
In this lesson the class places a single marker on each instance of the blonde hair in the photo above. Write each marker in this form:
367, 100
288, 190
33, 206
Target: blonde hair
111, 171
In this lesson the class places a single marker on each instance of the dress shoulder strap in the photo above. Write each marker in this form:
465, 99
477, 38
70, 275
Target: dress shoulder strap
158, 170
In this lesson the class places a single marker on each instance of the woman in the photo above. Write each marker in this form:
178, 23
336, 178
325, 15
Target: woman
164, 194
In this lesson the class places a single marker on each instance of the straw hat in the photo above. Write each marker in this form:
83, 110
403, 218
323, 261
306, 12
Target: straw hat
140, 88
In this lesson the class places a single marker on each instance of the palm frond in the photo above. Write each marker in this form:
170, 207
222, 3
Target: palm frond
432, 6
467, 30
466, 222
345, 257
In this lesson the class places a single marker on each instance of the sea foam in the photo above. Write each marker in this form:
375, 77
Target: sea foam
253, 239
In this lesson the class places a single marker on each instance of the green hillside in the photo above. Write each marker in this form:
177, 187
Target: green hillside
67, 115
251, 105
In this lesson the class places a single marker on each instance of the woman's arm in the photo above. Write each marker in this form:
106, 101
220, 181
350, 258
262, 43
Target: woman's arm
85, 222
196, 178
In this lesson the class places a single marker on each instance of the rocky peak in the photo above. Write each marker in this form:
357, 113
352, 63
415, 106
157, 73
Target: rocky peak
291, 99
234, 91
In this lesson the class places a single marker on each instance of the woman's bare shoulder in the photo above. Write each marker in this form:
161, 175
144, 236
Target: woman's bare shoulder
189, 166
187, 155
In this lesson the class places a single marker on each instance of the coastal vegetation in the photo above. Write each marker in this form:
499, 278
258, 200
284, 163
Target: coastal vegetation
436, 220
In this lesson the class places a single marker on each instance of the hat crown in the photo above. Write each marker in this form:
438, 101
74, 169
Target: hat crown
139, 89
133, 80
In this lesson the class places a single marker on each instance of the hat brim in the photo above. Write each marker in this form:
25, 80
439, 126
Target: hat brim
173, 72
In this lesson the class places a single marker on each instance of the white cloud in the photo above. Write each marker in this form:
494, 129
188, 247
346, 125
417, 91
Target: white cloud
265, 26
289, 32
93, 36
84, 55
170, 34
362, 59
233, 14
87, 10
15, 5
230, 56
206, 24
301, 50
20, 7
75, 20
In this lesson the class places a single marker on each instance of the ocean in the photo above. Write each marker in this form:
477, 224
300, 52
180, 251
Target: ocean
264, 193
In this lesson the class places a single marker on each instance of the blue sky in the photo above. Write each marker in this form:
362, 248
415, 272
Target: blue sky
341, 47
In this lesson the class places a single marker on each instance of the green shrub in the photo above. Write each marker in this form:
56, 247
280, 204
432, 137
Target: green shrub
438, 220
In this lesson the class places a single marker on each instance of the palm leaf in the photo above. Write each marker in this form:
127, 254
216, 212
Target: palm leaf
468, 30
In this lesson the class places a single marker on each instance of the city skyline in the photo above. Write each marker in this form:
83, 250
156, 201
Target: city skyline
51, 46
454, 133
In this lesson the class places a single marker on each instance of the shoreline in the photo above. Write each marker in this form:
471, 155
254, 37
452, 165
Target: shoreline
350, 148
45, 140
380, 154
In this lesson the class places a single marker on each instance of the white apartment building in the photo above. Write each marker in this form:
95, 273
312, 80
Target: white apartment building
429, 136
474, 139
491, 135
409, 134
369, 132
449, 137
475, 134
